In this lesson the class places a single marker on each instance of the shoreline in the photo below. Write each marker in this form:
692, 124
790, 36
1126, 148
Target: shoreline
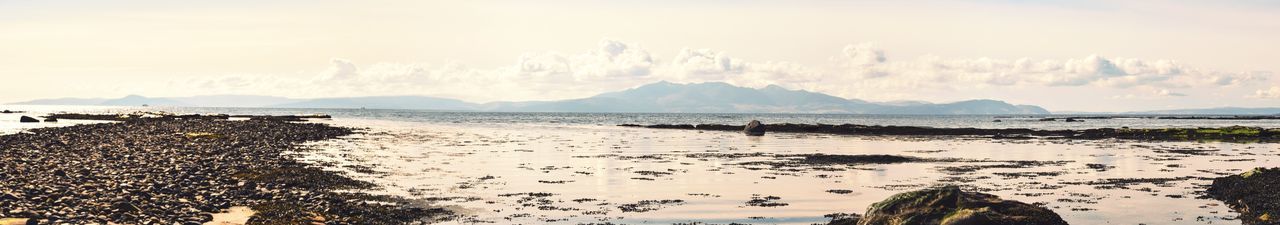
1223, 134
254, 167
183, 170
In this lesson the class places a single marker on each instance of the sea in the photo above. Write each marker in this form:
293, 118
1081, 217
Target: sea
581, 168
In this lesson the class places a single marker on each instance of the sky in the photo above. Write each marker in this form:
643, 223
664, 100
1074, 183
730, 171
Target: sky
1124, 55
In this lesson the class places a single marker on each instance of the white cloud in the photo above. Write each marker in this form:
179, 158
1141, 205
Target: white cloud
1273, 93
611, 60
865, 62
340, 69
1167, 93
704, 65
857, 71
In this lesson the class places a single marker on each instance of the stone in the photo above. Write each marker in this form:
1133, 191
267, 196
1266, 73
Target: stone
754, 128
18, 221
951, 206
28, 119
50, 119
1253, 194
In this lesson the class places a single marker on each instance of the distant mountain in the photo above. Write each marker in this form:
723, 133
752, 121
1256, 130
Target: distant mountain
140, 100
131, 100
711, 97
722, 97
137, 100
234, 100
382, 102
63, 101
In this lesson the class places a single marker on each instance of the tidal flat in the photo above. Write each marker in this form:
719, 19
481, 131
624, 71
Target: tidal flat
585, 174
290, 170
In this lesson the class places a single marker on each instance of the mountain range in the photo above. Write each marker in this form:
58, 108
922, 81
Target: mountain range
662, 97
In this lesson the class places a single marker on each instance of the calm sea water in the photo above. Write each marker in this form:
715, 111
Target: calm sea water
8, 121
583, 169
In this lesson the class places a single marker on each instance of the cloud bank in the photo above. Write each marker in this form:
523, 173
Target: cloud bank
855, 71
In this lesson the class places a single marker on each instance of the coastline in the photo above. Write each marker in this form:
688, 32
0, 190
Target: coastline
183, 170
290, 190
1224, 134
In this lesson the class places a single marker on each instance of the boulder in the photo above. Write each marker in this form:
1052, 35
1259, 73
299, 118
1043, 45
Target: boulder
843, 218
50, 119
28, 119
951, 206
18, 221
1251, 193
754, 128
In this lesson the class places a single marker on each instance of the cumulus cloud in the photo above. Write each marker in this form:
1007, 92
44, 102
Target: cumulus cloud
1167, 93
856, 71
864, 61
611, 59
1273, 93
704, 64
339, 69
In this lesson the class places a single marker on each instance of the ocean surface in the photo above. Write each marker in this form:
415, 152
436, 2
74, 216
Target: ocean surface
611, 119
577, 168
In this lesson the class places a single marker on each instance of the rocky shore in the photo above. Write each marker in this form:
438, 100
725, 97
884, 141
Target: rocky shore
949, 206
1225, 134
1255, 194
182, 170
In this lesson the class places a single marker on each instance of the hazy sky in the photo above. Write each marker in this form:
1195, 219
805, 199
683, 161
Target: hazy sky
1063, 55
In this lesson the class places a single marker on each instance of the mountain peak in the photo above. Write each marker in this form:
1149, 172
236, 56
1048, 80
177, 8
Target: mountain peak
721, 97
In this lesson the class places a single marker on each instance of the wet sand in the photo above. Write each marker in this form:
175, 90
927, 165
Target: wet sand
577, 174
276, 172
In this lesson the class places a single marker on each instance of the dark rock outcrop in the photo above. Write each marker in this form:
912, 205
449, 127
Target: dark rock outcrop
843, 218
50, 119
165, 170
1255, 194
28, 119
951, 206
754, 128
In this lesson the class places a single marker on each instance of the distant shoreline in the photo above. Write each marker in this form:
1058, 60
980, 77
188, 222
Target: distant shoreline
1224, 134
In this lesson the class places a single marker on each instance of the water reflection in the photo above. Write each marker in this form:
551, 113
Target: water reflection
570, 174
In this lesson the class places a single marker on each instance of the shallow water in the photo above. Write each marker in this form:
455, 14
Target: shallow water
487, 172
487, 164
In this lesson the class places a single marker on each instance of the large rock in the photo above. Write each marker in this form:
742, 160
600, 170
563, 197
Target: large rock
28, 119
1255, 194
754, 128
18, 221
951, 206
